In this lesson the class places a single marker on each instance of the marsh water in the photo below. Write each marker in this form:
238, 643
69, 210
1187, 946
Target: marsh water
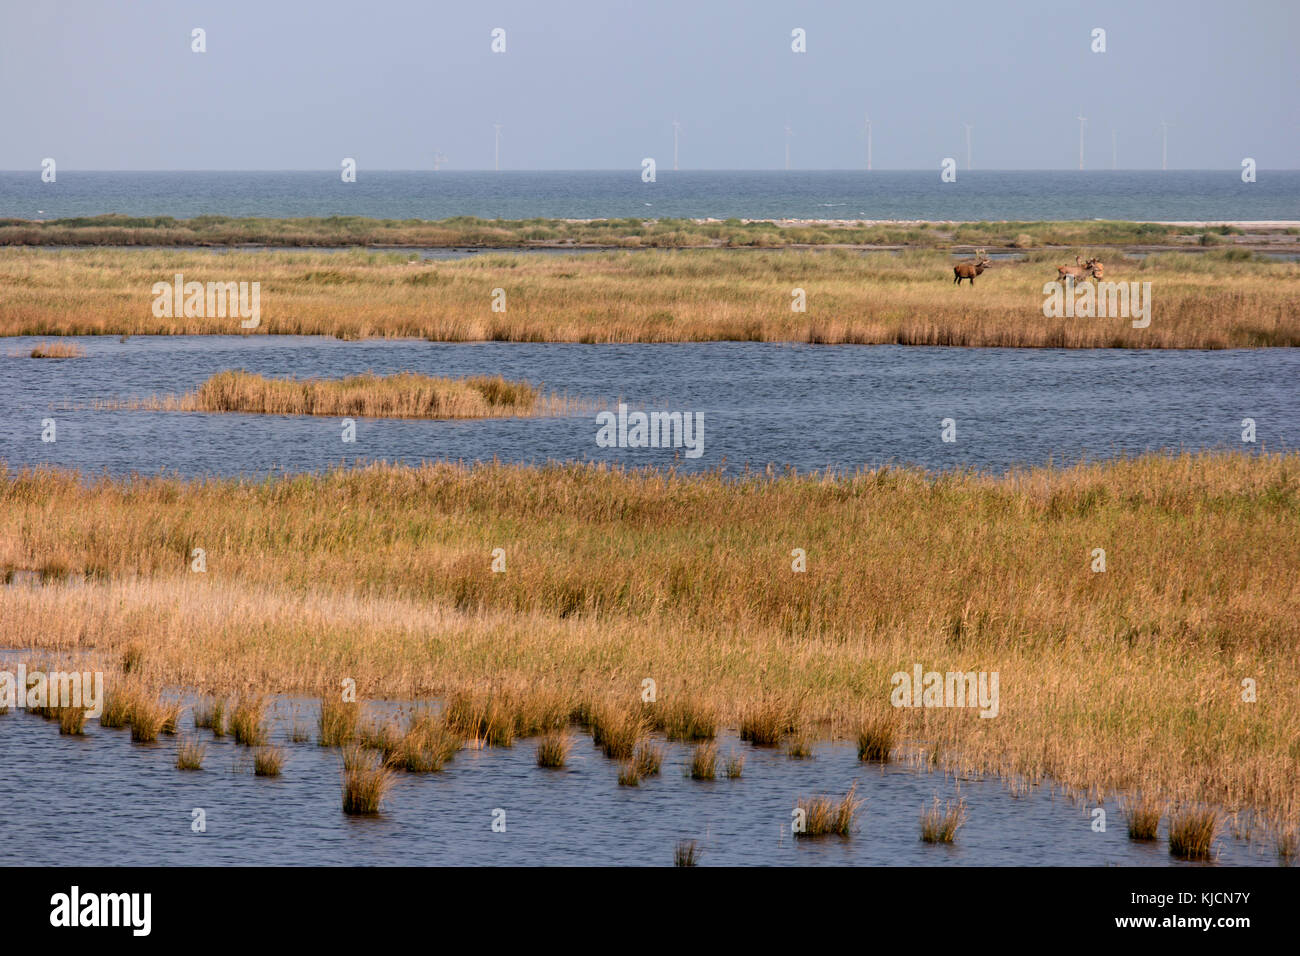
100, 799
810, 407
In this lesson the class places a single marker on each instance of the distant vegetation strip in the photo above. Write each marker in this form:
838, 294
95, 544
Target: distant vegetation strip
118, 230
1221, 298
405, 395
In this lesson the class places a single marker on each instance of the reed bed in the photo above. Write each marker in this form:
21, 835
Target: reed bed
1217, 299
939, 824
876, 739
686, 719
825, 816
337, 724
425, 746
617, 731
1124, 681
403, 395
148, 714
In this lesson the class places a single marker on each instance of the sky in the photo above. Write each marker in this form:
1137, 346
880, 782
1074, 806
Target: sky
115, 85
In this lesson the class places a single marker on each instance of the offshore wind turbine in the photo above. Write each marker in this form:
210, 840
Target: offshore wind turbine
1083, 121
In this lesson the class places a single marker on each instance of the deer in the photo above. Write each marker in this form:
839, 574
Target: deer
1079, 270
969, 270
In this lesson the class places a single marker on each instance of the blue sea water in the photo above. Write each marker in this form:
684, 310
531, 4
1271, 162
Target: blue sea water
979, 195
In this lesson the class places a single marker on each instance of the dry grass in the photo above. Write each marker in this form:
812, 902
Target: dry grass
647, 759
147, 716
189, 755
57, 350
553, 749
824, 816
268, 762
735, 765
1217, 299
72, 720
365, 782
1125, 681
876, 739
617, 730
211, 715
939, 824
1143, 818
704, 761
425, 746
404, 395
1191, 833
246, 721
338, 722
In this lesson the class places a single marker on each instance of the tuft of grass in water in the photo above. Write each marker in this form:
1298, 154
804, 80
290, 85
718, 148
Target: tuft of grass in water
119, 700
486, 718
553, 749
171, 717
299, 734
212, 716
189, 754
939, 824
404, 395
72, 720
876, 740
629, 775
147, 717
425, 747
647, 759
766, 723
268, 761
704, 761
246, 721
617, 731
337, 724
686, 853
799, 747
57, 350
735, 765
824, 816
1287, 844
1191, 834
365, 782
1143, 819
688, 719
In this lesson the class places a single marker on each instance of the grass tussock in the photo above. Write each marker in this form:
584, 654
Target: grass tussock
687, 719
939, 824
767, 723
647, 759
1191, 833
618, 730
72, 720
1143, 818
119, 700
735, 765
686, 853
337, 724
553, 750
877, 737
148, 715
57, 350
189, 754
825, 816
629, 775
365, 782
1208, 299
425, 747
246, 721
211, 715
404, 395
704, 762
268, 762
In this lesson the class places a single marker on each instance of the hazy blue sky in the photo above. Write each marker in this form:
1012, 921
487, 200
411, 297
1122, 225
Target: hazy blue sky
596, 85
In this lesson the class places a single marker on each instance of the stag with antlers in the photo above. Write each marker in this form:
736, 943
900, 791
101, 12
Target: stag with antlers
969, 270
